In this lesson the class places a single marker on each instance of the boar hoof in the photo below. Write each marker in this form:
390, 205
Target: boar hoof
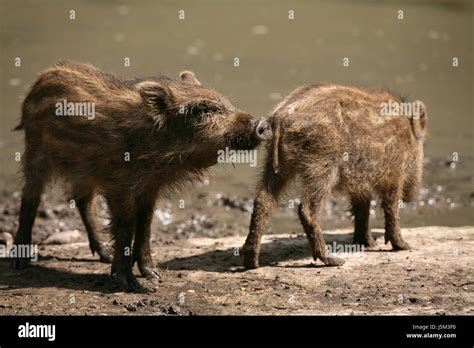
400, 244
127, 280
332, 261
251, 264
250, 260
250, 256
149, 272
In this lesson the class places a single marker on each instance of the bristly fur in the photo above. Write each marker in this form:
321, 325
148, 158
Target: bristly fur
335, 138
149, 136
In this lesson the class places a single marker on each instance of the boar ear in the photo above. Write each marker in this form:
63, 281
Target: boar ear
189, 77
158, 98
418, 120
422, 113
156, 95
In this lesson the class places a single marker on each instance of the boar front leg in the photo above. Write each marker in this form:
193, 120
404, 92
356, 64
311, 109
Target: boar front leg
271, 186
141, 246
392, 220
361, 212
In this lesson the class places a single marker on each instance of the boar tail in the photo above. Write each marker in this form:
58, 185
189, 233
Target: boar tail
418, 120
276, 144
19, 127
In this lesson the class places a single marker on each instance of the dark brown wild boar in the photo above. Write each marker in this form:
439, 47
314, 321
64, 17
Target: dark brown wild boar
344, 139
129, 140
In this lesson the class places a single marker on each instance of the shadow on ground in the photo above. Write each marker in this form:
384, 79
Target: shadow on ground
278, 250
43, 276
47, 274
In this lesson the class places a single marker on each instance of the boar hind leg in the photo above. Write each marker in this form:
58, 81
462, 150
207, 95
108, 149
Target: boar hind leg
37, 173
309, 212
270, 188
141, 246
84, 205
361, 212
392, 221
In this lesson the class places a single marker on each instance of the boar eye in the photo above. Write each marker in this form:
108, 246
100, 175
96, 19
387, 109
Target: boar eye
204, 109
207, 110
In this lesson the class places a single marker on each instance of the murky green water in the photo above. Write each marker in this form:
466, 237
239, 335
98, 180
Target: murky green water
412, 55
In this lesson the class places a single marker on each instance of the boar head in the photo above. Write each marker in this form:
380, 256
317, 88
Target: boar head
199, 120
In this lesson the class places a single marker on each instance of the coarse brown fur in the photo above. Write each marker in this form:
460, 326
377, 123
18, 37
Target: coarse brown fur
335, 138
148, 136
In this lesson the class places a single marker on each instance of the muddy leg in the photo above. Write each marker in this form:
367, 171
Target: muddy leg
361, 212
271, 186
84, 205
309, 212
392, 220
141, 246
122, 229
37, 173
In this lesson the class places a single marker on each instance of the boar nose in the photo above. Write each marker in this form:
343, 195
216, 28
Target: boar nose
263, 131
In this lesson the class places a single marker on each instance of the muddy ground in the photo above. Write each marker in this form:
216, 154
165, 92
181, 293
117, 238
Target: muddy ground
196, 249
204, 276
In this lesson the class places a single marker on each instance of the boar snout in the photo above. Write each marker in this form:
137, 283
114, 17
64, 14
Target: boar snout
263, 130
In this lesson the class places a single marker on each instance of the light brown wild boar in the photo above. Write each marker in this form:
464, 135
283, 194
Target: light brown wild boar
337, 138
145, 137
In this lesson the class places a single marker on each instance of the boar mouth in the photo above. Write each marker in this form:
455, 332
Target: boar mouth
243, 142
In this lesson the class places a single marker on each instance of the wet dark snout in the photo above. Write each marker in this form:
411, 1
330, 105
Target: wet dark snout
263, 130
